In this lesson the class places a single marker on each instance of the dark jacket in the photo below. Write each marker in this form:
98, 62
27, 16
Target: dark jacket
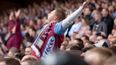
109, 23
100, 27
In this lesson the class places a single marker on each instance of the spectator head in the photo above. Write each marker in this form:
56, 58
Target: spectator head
12, 15
88, 44
28, 51
97, 16
104, 4
105, 12
63, 58
31, 23
64, 45
85, 38
102, 42
87, 11
30, 60
80, 43
75, 44
29, 57
99, 38
12, 52
56, 15
97, 56
73, 47
112, 40
94, 12
113, 3
12, 61
39, 23
111, 9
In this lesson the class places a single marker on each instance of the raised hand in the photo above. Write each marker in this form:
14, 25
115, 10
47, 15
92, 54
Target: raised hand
11, 16
86, 2
17, 13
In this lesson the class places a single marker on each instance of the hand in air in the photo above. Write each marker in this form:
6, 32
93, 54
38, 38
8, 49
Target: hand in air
86, 2
17, 13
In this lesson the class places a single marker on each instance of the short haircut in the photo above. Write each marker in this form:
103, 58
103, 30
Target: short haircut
80, 43
13, 50
60, 13
86, 37
32, 61
101, 54
12, 61
75, 47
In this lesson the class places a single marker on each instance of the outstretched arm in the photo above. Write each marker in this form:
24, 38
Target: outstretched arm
63, 25
68, 21
14, 24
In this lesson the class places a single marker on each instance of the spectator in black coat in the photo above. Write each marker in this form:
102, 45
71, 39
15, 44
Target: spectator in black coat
99, 26
108, 20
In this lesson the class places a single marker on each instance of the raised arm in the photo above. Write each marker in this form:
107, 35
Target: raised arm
14, 21
68, 21
61, 27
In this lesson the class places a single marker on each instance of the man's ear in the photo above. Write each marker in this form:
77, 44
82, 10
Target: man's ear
55, 17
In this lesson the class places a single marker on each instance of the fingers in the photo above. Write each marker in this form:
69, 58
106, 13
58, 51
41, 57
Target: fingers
85, 3
11, 15
17, 13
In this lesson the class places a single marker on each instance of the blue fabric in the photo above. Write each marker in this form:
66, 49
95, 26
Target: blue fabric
58, 29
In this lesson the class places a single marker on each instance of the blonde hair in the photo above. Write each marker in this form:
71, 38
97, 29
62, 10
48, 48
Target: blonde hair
60, 13
101, 54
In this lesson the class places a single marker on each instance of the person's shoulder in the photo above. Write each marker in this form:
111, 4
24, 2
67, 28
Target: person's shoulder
102, 23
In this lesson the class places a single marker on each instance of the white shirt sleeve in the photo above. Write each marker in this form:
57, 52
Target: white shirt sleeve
69, 20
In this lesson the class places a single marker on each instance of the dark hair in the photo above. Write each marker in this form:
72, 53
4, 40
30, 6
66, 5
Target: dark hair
87, 48
32, 61
19, 55
75, 47
12, 61
80, 43
86, 37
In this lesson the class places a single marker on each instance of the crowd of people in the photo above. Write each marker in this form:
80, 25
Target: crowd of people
90, 40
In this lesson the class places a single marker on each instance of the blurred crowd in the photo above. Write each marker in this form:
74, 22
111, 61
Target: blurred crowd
91, 39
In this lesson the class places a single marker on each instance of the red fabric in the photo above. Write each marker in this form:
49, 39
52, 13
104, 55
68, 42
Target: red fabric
58, 39
15, 39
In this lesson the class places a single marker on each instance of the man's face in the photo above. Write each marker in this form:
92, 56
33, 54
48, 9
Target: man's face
86, 11
97, 17
51, 16
99, 38
104, 13
28, 51
11, 54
